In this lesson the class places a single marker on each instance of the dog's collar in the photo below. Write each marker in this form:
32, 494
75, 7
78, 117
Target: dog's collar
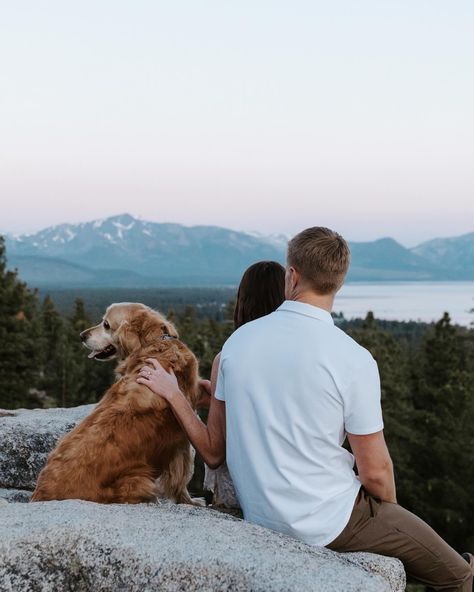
167, 336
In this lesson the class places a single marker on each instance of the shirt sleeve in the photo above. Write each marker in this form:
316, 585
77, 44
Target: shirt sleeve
361, 400
220, 390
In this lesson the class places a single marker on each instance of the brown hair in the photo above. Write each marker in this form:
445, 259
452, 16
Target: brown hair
261, 291
322, 258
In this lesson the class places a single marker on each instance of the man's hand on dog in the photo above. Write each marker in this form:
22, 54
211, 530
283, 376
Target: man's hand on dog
158, 380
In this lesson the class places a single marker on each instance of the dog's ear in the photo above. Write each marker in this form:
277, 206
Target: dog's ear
167, 328
127, 338
150, 326
143, 329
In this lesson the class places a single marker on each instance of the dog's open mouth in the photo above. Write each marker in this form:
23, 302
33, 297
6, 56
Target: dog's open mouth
103, 354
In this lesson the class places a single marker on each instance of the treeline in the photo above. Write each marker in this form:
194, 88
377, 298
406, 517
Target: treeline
427, 374
207, 301
428, 403
42, 360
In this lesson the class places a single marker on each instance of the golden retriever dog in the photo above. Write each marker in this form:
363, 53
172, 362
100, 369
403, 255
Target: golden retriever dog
130, 448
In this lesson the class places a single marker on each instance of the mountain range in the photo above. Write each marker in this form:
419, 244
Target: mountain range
123, 251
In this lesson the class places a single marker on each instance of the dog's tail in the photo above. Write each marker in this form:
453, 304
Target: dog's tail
132, 488
174, 479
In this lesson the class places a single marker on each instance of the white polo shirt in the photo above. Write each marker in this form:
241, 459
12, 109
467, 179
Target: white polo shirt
293, 385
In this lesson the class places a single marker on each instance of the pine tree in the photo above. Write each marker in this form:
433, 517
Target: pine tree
52, 350
445, 399
19, 340
204, 336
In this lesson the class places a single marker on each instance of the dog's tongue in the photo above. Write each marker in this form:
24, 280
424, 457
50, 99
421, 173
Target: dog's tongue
93, 353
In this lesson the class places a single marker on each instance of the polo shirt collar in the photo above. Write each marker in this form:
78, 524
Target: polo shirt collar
307, 310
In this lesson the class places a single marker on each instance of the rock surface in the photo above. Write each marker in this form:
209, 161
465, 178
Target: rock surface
82, 546
15, 495
85, 547
26, 439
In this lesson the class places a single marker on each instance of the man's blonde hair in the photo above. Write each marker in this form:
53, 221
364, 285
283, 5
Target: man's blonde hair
321, 256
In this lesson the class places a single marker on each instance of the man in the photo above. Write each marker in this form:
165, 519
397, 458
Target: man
290, 387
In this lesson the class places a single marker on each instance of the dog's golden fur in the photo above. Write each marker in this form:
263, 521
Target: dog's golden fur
131, 439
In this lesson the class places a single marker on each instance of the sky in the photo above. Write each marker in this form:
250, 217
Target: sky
262, 115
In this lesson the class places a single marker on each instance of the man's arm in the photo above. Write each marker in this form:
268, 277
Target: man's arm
363, 423
208, 440
374, 465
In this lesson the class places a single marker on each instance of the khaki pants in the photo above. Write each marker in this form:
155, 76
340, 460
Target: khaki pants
388, 529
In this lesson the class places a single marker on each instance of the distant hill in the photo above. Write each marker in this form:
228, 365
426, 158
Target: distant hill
47, 272
455, 253
385, 260
128, 252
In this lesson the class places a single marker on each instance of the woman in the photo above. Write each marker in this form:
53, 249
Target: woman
261, 291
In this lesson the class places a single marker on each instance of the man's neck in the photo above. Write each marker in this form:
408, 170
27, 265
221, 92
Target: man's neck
325, 301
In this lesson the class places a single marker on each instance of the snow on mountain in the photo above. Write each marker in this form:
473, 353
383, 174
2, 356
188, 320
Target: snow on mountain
148, 248
155, 253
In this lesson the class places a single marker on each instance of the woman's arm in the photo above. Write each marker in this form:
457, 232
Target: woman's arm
205, 394
208, 440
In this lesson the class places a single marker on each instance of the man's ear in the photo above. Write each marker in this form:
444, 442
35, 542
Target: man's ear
294, 278
292, 282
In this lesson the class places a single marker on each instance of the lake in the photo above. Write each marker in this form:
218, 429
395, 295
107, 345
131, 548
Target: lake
408, 301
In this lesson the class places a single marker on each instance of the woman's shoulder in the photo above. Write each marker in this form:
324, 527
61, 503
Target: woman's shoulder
217, 359
215, 368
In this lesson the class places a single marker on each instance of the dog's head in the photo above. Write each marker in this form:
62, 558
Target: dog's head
125, 328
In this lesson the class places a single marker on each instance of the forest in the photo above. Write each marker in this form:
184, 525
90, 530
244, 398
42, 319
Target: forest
427, 376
